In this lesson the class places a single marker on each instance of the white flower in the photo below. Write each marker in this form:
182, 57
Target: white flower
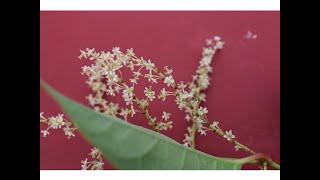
128, 91
188, 118
149, 65
68, 132
83, 54
137, 74
184, 95
84, 164
110, 91
166, 116
169, 80
103, 57
163, 94
199, 121
41, 115
97, 108
144, 103
214, 124
124, 59
219, 45
105, 70
168, 71
108, 56
90, 51
132, 111
181, 85
112, 108
237, 147
209, 42
99, 165
56, 122
128, 95
124, 113
204, 81
207, 51
131, 65
112, 78
187, 138
60, 119
229, 135
134, 81
202, 111
117, 88
92, 100
164, 126
202, 97
87, 70
180, 102
194, 77
150, 78
153, 120
169, 124
95, 152
149, 93
130, 52
45, 133
205, 61
186, 144
116, 50
217, 38
199, 126
250, 35
201, 131
95, 56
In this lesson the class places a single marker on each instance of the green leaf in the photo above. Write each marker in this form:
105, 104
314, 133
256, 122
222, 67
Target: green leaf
127, 146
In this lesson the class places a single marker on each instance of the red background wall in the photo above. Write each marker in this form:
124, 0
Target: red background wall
244, 95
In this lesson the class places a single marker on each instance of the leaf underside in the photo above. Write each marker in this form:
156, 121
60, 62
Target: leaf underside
127, 146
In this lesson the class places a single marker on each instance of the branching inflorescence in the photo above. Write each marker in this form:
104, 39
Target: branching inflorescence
105, 79
57, 122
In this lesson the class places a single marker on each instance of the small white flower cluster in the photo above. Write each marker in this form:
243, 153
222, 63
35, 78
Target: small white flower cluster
188, 140
199, 83
96, 163
105, 78
162, 125
57, 122
228, 135
249, 35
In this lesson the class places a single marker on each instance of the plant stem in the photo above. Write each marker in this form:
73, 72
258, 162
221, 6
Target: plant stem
264, 166
257, 158
221, 133
193, 133
194, 127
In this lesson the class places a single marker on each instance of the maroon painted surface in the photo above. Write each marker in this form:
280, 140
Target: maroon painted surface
244, 95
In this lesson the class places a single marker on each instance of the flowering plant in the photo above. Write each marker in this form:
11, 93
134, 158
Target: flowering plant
106, 78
